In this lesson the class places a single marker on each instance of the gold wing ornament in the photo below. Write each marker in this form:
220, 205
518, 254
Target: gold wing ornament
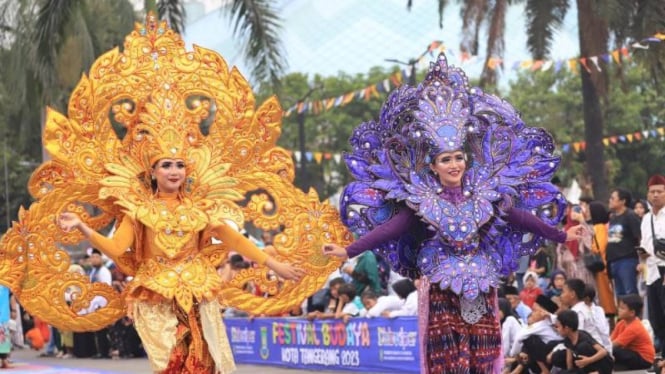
156, 99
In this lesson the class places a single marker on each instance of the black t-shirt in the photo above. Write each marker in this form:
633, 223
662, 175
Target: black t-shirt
585, 347
623, 236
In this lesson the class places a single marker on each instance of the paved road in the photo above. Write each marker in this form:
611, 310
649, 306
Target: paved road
26, 361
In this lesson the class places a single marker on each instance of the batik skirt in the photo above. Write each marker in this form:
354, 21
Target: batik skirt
453, 345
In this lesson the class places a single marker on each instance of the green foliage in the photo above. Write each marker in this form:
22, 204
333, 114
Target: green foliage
554, 101
330, 130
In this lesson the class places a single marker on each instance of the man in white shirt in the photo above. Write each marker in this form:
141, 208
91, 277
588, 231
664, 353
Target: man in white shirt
99, 272
655, 264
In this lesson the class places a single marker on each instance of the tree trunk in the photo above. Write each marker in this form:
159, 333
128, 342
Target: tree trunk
593, 35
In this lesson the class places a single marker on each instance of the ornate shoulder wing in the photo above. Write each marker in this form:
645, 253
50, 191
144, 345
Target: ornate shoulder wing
152, 100
514, 163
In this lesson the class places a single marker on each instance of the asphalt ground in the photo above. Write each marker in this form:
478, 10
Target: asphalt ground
26, 361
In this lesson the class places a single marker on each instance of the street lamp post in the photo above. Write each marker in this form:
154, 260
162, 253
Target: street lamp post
304, 180
412, 64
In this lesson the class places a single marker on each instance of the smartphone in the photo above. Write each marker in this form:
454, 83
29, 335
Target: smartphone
641, 251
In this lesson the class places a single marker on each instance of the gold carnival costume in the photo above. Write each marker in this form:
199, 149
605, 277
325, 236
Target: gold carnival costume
156, 100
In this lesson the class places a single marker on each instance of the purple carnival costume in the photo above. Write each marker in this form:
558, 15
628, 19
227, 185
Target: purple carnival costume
460, 241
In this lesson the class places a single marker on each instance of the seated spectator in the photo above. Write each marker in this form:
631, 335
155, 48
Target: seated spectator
601, 325
510, 325
631, 344
534, 342
591, 320
405, 289
553, 290
583, 353
325, 300
375, 305
334, 306
531, 290
522, 310
350, 301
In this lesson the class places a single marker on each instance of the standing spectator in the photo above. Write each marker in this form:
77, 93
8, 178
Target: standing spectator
539, 263
631, 344
599, 219
641, 207
365, 273
624, 237
5, 334
653, 226
95, 344
570, 257
583, 353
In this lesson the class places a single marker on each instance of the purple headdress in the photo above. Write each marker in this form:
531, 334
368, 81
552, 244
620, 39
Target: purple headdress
512, 166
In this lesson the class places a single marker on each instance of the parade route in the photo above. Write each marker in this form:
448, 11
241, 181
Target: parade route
28, 362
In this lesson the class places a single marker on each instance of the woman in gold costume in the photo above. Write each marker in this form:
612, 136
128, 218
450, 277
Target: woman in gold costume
187, 338
167, 143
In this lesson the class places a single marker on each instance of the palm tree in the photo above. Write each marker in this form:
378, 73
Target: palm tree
599, 21
475, 13
255, 24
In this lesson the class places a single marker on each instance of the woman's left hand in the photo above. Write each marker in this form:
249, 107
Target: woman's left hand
285, 271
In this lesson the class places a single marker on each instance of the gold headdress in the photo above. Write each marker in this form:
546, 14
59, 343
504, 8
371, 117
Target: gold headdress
154, 100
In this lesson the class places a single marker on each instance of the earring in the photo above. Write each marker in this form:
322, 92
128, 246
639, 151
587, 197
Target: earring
152, 177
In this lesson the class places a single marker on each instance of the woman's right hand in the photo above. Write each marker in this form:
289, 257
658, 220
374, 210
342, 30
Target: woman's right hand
68, 221
335, 250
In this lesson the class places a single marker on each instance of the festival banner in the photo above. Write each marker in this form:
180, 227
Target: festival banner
378, 345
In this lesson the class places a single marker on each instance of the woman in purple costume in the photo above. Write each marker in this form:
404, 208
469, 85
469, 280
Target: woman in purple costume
452, 188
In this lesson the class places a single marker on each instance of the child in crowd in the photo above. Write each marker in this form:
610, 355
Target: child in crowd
534, 342
13, 329
583, 353
375, 305
553, 290
631, 344
600, 323
510, 325
405, 289
591, 320
326, 302
351, 301
531, 290
522, 310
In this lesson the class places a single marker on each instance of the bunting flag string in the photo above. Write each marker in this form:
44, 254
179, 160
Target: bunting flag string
637, 136
573, 64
